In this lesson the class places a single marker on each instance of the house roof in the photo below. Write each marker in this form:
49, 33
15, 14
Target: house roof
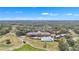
61, 35
47, 39
38, 33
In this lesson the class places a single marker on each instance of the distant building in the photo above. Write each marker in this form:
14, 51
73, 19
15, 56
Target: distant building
38, 34
47, 39
60, 35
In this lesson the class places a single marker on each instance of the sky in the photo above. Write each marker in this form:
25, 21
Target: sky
39, 13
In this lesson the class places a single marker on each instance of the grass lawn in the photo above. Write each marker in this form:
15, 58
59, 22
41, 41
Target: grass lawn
28, 48
52, 46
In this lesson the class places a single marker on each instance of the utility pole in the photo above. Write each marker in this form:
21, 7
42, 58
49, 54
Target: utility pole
45, 44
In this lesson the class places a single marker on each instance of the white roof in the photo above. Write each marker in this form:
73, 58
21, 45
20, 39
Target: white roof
47, 39
63, 34
60, 35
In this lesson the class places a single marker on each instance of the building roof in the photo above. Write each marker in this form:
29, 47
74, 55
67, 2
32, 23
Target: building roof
38, 33
61, 35
47, 39
32, 33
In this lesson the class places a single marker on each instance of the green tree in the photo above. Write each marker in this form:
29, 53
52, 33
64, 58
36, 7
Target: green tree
71, 42
76, 47
63, 45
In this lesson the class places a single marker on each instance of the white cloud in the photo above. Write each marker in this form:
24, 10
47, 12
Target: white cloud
72, 14
69, 14
45, 13
50, 14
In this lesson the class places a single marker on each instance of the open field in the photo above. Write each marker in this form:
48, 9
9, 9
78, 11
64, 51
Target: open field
52, 46
27, 47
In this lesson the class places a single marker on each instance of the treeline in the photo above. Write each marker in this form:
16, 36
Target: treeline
4, 29
69, 44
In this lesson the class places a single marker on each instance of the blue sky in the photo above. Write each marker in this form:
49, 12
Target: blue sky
39, 13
